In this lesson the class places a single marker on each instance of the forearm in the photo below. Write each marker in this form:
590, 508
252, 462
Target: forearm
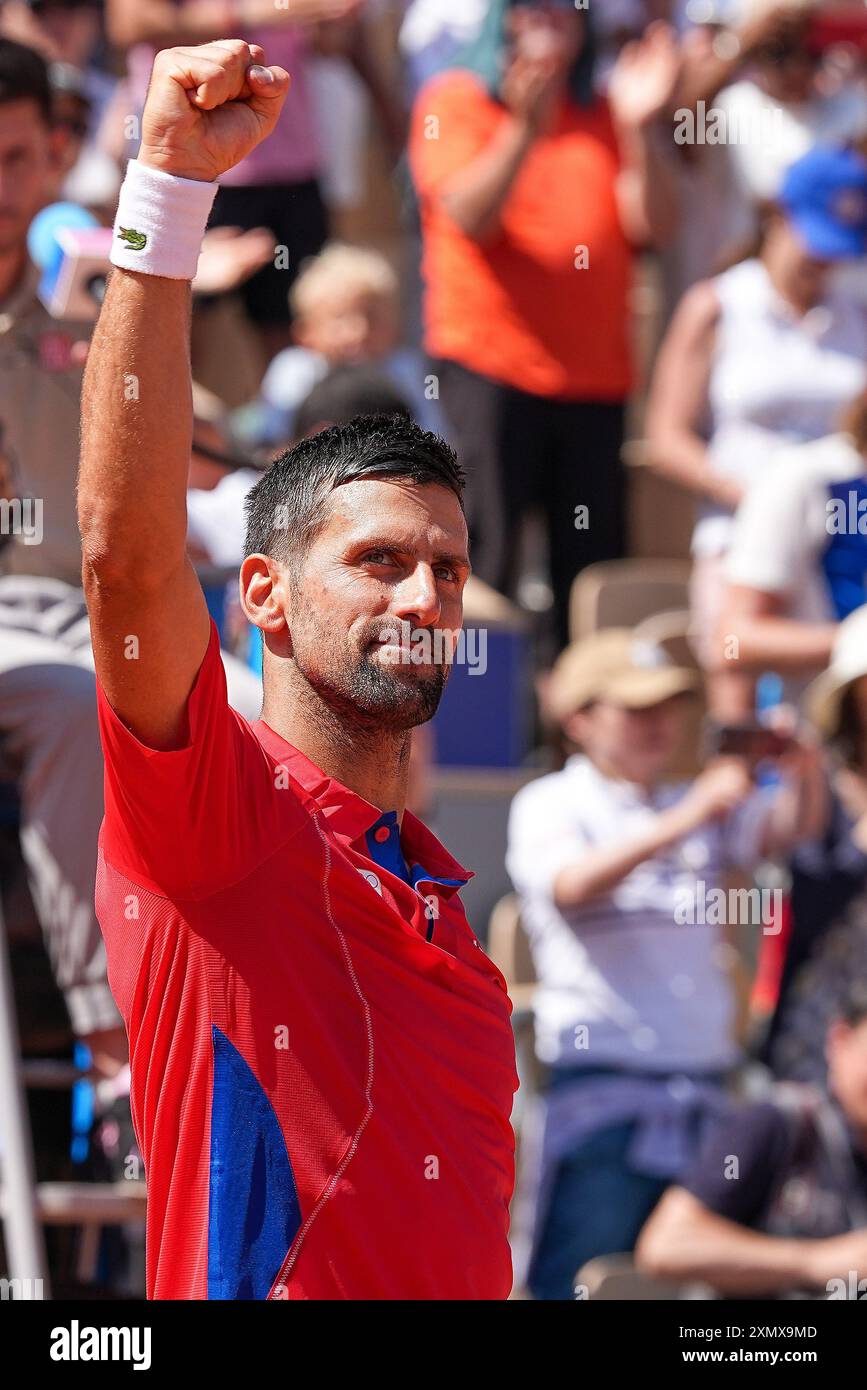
600, 870
366, 64
679, 454
159, 22
647, 191
704, 80
137, 429
729, 1257
475, 197
773, 644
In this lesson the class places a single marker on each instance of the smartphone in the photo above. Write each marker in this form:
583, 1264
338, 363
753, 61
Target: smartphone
749, 739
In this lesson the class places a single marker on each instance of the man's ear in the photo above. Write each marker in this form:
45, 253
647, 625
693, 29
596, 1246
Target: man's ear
264, 593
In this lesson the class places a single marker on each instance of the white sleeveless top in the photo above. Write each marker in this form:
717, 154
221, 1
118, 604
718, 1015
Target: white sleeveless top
776, 379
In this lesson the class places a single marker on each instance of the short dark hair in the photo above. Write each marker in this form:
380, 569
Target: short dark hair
24, 77
346, 392
286, 507
852, 1008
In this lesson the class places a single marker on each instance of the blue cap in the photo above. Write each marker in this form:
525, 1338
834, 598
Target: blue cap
825, 196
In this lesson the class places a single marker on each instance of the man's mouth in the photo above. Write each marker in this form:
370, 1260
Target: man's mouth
395, 652
404, 648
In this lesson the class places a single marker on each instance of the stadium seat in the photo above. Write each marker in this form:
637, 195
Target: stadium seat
616, 1277
622, 593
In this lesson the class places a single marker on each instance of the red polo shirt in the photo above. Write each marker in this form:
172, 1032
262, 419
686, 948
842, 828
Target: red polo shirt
321, 1053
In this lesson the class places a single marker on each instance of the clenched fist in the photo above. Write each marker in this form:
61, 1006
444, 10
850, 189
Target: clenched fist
208, 107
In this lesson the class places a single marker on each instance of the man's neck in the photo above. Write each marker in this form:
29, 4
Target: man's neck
374, 763
12, 266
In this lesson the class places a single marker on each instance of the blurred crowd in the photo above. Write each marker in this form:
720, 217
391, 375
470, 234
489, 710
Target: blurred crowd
616, 253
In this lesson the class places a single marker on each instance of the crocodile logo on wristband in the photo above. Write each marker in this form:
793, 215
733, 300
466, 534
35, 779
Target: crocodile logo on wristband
136, 241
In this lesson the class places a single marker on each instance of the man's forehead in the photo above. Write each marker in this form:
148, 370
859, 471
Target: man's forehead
384, 505
20, 118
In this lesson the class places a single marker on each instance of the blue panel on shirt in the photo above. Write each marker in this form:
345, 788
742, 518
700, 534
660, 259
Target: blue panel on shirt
845, 559
387, 854
253, 1213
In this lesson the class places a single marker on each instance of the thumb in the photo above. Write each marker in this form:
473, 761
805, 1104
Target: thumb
268, 88
267, 85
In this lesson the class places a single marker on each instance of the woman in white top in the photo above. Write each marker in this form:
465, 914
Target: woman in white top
763, 356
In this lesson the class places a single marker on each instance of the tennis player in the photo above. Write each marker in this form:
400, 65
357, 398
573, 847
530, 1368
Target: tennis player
322, 1060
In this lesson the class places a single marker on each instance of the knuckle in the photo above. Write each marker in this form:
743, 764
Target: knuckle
234, 50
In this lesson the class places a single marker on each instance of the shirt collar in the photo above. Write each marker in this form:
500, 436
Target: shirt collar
350, 816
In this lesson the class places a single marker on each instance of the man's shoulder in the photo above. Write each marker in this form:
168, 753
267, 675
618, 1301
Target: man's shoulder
553, 790
768, 1122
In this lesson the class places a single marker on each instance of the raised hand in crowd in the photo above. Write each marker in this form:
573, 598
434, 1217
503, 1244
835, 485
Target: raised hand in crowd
644, 80
230, 256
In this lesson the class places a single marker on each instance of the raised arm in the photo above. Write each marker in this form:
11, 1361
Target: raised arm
207, 108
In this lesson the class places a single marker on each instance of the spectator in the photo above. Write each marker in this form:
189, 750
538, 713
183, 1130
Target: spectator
775, 1204
811, 996
68, 34
765, 355
346, 313
767, 97
829, 874
47, 696
798, 561
633, 1007
532, 190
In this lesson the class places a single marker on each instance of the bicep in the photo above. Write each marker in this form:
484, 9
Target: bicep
149, 641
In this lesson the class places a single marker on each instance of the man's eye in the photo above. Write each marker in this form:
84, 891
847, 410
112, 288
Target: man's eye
446, 572
378, 557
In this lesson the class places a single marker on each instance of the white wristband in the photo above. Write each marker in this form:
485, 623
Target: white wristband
160, 222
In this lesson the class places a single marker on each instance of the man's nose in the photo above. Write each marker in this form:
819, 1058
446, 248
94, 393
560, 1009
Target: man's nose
417, 600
